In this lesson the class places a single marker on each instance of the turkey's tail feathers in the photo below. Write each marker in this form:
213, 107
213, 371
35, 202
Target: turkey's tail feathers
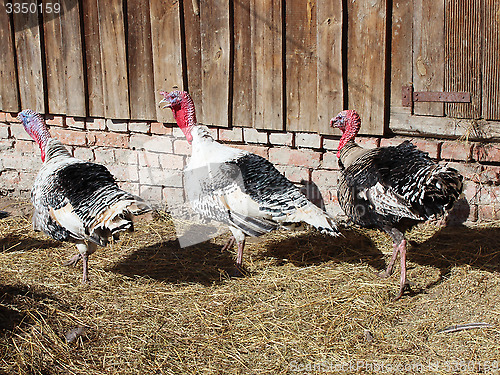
252, 226
440, 190
116, 218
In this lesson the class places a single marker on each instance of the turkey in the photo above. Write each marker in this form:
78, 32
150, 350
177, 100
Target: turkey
391, 188
74, 200
238, 188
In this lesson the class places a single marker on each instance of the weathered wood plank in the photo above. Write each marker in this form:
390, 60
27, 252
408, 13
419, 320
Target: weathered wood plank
64, 60
140, 64
401, 47
193, 54
491, 60
215, 55
29, 57
93, 66
167, 54
9, 94
113, 59
301, 65
463, 55
244, 65
329, 80
428, 52
366, 62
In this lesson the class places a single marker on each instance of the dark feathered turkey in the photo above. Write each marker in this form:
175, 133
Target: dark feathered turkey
75, 200
391, 188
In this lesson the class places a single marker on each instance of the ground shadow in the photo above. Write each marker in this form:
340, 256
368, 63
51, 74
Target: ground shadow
314, 248
167, 261
16, 242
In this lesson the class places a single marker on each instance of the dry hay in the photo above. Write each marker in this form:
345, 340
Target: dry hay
307, 302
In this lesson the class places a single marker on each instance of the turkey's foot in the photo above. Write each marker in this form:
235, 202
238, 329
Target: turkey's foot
73, 261
404, 288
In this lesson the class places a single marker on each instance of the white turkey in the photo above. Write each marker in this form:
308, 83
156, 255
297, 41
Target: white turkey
391, 188
74, 200
238, 188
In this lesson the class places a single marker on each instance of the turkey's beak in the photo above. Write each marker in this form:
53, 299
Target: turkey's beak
164, 100
335, 123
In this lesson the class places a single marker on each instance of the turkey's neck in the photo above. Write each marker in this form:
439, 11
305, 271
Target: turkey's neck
41, 135
185, 116
350, 133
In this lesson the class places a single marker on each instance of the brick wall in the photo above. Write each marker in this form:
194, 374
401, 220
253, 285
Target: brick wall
147, 158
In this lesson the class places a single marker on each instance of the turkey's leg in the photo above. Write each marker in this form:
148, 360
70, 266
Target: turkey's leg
404, 285
84, 249
239, 258
388, 272
397, 238
228, 244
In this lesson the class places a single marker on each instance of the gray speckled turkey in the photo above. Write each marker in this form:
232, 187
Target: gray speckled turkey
391, 188
74, 200
238, 188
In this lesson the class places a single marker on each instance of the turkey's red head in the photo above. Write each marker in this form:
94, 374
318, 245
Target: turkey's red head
349, 124
35, 126
182, 107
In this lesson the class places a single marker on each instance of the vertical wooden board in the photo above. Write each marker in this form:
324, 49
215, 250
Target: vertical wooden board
491, 60
29, 61
93, 68
401, 57
167, 53
215, 55
463, 55
113, 59
301, 65
366, 62
428, 52
9, 94
329, 81
140, 61
73, 59
267, 66
193, 54
64, 60
243, 67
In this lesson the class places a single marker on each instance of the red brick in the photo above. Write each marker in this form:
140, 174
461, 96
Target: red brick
139, 126
308, 140
470, 171
330, 160
429, 146
151, 193
126, 156
330, 144
104, 155
119, 126
6, 144
155, 143
69, 137
153, 176
252, 135
83, 153
9, 178
160, 128
489, 194
257, 150
130, 187
54, 120
471, 192
173, 196
305, 158
4, 131
281, 139
231, 135
455, 150
96, 124
3, 116
26, 147
293, 173
386, 142
172, 178
171, 161
11, 117
148, 159
488, 212
182, 147
487, 153
368, 142
108, 139
18, 132
75, 122
324, 178
124, 173
490, 174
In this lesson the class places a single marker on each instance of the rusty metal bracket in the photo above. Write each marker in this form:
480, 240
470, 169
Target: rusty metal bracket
410, 96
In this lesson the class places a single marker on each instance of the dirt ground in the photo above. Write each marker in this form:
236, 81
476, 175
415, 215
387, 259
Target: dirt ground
307, 304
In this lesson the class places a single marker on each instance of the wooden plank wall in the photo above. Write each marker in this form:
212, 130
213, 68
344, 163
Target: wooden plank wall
267, 64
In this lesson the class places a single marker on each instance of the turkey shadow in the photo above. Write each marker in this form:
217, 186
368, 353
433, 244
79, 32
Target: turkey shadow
16, 303
315, 248
459, 245
16, 242
202, 263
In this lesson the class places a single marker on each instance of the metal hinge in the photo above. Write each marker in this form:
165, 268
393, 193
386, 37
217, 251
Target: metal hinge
410, 96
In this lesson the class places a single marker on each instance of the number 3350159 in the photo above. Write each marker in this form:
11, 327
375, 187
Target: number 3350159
32, 8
